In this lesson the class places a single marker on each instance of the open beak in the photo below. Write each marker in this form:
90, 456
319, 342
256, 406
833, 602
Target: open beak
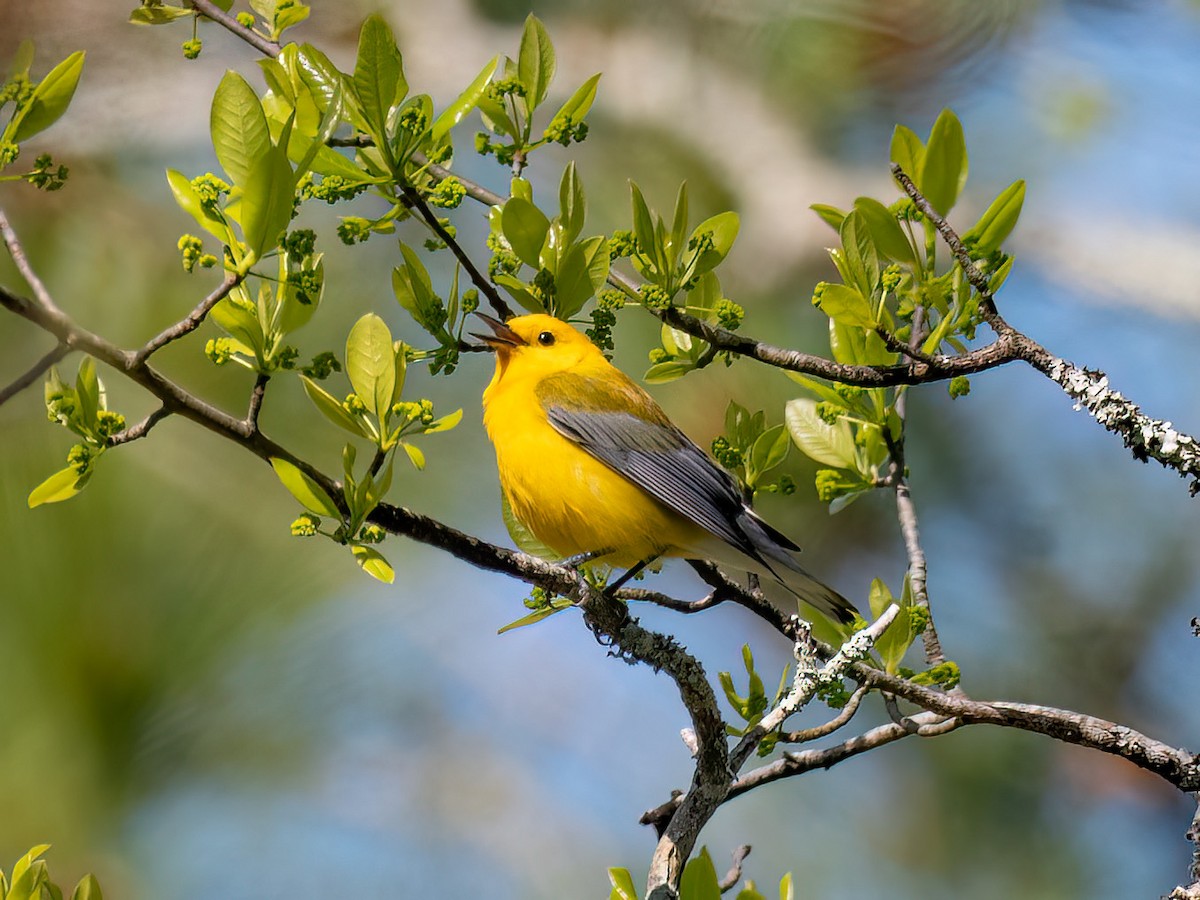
501, 336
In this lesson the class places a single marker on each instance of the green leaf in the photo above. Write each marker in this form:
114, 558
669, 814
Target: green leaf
944, 168
572, 203
310, 494
373, 563
158, 15
671, 370
49, 101
535, 62
415, 455
464, 103
575, 281
622, 885
332, 409
860, 260
378, 75
768, 451
699, 881
885, 231
643, 224
832, 445
545, 612
445, 423
679, 222
62, 485
879, 598
786, 890
830, 215
287, 17
268, 200
240, 323
189, 201
239, 128
580, 102
87, 889
907, 151
371, 363
724, 228
87, 389
898, 637
525, 226
846, 306
999, 220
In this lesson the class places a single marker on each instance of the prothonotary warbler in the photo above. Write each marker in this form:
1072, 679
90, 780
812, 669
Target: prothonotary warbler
592, 466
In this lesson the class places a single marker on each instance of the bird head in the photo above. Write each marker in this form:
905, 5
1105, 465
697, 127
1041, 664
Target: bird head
538, 343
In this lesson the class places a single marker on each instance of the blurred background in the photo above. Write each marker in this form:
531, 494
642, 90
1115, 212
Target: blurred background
196, 705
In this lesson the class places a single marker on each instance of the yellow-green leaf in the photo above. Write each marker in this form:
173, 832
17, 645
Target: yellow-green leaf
62, 485
310, 494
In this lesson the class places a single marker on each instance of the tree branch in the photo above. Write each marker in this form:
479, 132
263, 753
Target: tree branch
192, 321
211, 11
35, 372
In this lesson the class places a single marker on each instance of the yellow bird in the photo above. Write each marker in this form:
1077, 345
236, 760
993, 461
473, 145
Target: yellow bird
592, 466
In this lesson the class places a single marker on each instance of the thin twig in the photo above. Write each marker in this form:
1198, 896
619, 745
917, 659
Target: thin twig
141, 429
672, 603
734, 875
253, 38
191, 321
17, 252
34, 373
843, 717
256, 399
498, 304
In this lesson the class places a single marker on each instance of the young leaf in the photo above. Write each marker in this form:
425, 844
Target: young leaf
62, 485
944, 168
524, 538
768, 450
830, 215
310, 494
239, 128
816, 438
378, 74
415, 455
373, 563
571, 202
643, 224
535, 64
87, 389
49, 101
581, 101
268, 199
846, 306
87, 889
575, 280
998, 222
907, 151
699, 881
679, 221
189, 201
464, 103
724, 230
885, 231
622, 885
545, 612
332, 409
371, 363
525, 226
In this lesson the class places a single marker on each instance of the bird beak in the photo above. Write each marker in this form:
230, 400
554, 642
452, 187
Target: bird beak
501, 337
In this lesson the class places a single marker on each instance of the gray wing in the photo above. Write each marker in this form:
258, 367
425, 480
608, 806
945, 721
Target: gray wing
663, 461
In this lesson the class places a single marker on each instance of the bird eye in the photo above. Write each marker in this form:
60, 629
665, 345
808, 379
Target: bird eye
545, 339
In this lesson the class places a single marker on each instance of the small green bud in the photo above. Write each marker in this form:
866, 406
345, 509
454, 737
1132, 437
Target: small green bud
610, 298
219, 350
353, 404
891, 277
192, 48
245, 19
322, 366
659, 355
448, 194
353, 230
109, 423
622, 244
819, 292
483, 146
9, 153
80, 457
729, 314
306, 525
470, 301
959, 386
371, 534
654, 297
725, 453
828, 412
829, 485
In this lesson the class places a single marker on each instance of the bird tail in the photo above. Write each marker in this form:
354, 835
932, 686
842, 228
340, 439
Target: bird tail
774, 550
